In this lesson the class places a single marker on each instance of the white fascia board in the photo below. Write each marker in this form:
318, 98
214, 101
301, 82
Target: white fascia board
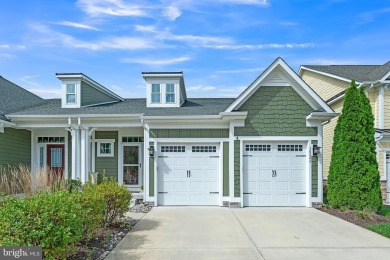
6, 123
91, 82
163, 75
279, 62
336, 99
192, 117
125, 116
321, 116
326, 74
385, 76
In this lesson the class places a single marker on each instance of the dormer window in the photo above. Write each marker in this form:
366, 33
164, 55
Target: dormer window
70, 93
170, 93
156, 93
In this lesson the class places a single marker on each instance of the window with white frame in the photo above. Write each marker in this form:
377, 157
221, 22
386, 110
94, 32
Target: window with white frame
156, 93
105, 148
170, 93
70, 93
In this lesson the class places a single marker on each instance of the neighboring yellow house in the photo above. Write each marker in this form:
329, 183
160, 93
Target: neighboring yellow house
330, 83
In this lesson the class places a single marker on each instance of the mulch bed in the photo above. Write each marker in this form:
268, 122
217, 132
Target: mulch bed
356, 217
105, 240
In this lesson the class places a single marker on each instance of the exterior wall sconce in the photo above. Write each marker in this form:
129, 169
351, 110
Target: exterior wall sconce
151, 151
316, 149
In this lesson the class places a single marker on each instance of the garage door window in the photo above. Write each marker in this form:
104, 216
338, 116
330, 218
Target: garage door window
258, 147
290, 148
173, 149
204, 149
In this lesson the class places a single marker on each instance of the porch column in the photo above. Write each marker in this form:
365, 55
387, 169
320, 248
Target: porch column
74, 132
84, 154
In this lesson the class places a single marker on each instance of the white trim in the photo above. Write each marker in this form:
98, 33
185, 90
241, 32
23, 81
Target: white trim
381, 115
105, 141
156, 146
77, 103
241, 173
220, 174
103, 103
336, 99
146, 163
383, 79
278, 138
279, 64
325, 74
189, 140
123, 116
93, 153
308, 175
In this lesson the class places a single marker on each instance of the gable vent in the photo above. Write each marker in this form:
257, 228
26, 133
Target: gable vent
275, 79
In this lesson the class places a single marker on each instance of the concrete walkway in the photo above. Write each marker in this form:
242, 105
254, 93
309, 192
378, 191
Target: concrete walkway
248, 233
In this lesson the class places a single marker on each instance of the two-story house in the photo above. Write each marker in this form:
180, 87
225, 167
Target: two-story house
259, 149
331, 82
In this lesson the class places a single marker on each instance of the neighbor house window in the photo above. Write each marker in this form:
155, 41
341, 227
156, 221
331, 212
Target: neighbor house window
70, 93
105, 148
156, 93
170, 93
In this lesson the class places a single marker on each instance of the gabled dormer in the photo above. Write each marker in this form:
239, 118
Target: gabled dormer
78, 90
164, 89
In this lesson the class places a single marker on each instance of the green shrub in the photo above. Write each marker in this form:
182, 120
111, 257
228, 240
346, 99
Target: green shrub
50, 220
353, 180
94, 205
117, 200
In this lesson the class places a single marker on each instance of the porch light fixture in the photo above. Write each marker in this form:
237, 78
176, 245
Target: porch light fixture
151, 151
316, 149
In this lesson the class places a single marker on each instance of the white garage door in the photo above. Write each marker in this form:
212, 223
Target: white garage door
188, 174
274, 174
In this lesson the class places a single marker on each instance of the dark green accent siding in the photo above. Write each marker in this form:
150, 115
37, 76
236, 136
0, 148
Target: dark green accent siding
314, 174
91, 96
69, 155
189, 133
236, 168
276, 111
110, 164
151, 174
15, 147
226, 169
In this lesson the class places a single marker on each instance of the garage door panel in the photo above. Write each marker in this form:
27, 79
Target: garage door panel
298, 174
274, 176
179, 186
281, 186
282, 160
187, 177
211, 174
265, 186
297, 186
265, 159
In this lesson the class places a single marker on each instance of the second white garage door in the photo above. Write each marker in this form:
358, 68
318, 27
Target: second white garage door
274, 174
188, 174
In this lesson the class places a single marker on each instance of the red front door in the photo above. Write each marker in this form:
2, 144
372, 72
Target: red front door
55, 158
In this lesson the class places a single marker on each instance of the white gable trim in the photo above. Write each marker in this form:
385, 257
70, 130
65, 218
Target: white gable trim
285, 73
325, 74
384, 78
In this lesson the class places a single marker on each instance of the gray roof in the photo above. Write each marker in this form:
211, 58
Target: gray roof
359, 73
14, 98
193, 106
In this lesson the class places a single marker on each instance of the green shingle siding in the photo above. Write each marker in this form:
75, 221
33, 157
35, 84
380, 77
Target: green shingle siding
110, 164
91, 96
189, 133
151, 174
276, 111
226, 169
15, 147
236, 168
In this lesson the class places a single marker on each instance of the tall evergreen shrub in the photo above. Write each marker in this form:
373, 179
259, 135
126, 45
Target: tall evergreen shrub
353, 180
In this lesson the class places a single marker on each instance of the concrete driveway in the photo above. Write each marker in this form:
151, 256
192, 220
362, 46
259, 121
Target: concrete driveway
248, 233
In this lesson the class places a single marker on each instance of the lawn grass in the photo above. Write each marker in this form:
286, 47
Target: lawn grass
385, 211
382, 229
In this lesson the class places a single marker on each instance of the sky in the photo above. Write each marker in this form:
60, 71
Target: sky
220, 45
